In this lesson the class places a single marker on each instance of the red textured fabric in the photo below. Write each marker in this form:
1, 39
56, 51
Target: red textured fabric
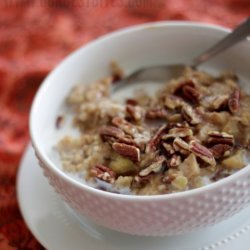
34, 36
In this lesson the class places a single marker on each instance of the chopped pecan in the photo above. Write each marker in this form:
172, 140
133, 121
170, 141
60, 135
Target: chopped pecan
113, 134
140, 181
122, 124
182, 125
216, 137
181, 146
117, 72
155, 167
219, 102
127, 139
167, 179
111, 131
174, 161
202, 152
116, 78
178, 125
132, 102
126, 126
234, 101
191, 93
188, 91
179, 87
142, 139
157, 113
136, 113
190, 115
148, 159
168, 148
220, 174
173, 102
220, 150
155, 140
59, 121
178, 132
103, 173
128, 151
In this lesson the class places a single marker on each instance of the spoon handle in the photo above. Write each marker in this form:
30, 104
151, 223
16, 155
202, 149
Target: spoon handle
239, 33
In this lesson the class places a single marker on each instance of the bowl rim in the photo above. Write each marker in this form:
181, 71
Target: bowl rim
140, 198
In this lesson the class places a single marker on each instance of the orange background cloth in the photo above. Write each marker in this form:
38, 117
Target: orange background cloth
34, 36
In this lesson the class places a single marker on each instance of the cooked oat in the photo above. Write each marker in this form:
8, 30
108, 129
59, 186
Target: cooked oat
195, 129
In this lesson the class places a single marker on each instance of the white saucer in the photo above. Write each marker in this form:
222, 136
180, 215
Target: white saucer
57, 227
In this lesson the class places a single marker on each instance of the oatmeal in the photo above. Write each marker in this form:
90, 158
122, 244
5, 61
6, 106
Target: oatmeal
193, 131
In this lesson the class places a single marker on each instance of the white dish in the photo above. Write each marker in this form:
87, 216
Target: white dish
57, 227
147, 44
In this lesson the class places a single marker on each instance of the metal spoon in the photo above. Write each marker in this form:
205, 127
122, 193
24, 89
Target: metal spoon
165, 72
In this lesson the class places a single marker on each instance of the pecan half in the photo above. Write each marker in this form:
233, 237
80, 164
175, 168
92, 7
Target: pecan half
234, 101
189, 114
155, 140
178, 132
157, 113
216, 137
136, 113
220, 150
128, 151
153, 168
103, 173
202, 152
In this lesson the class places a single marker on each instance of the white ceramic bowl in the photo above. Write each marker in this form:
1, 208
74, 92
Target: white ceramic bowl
155, 43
